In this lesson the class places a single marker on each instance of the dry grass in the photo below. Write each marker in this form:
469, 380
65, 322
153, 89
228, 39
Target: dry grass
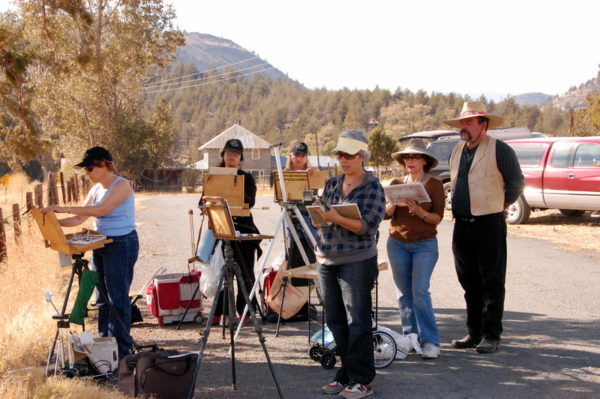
574, 233
26, 325
57, 388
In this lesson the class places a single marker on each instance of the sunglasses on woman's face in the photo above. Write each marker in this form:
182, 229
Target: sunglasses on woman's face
89, 168
340, 155
412, 156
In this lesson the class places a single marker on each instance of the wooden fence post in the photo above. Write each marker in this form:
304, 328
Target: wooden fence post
29, 199
16, 222
39, 196
75, 189
83, 186
70, 191
63, 188
2, 238
29, 204
50, 190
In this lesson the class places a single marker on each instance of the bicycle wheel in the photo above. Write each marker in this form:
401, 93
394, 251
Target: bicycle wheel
384, 348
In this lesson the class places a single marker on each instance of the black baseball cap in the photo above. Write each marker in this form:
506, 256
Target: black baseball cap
94, 154
233, 145
299, 148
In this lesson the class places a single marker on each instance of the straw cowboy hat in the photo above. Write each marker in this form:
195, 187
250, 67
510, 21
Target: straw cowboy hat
473, 109
415, 147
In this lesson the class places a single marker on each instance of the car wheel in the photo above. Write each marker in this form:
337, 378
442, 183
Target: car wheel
572, 212
448, 192
518, 212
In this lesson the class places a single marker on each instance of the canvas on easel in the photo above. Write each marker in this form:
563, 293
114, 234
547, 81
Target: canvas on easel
70, 243
221, 222
230, 187
295, 184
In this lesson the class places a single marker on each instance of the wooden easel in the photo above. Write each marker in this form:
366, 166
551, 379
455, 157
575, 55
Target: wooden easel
296, 182
229, 187
56, 239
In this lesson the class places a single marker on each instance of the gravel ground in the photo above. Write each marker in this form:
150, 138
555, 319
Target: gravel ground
550, 348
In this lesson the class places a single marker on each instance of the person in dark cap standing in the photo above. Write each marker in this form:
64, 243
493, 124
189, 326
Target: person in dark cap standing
111, 202
232, 156
298, 162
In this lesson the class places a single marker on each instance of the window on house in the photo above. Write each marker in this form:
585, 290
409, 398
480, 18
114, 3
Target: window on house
255, 153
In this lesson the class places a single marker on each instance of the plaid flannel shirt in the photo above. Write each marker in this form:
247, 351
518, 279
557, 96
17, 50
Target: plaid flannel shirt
335, 244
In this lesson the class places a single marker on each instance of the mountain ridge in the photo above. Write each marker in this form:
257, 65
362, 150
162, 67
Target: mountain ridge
207, 51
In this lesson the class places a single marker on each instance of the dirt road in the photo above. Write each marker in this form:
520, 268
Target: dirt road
550, 348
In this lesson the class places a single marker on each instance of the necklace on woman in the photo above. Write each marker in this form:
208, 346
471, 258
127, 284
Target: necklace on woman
409, 179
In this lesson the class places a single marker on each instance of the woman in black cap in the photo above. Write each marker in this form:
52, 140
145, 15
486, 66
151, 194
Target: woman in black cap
232, 156
111, 202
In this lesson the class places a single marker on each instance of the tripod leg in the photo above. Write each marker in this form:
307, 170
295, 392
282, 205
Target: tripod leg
51, 352
285, 283
257, 327
189, 305
230, 317
204, 336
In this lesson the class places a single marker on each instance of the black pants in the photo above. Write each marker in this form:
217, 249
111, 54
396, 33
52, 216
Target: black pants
243, 253
479, 246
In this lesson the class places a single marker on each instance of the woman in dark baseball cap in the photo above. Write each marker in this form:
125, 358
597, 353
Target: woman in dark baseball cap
232, 156
111, 202
298, 156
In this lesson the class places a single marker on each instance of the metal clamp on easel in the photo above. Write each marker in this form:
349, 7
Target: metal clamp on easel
73, 245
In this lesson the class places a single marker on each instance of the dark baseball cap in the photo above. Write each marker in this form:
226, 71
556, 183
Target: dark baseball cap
233, 145
299, 148
94, 154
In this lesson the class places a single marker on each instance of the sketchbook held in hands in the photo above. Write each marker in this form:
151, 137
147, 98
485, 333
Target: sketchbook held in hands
396, 194
347, 210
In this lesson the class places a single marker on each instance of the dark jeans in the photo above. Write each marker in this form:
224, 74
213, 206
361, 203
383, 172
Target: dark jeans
243, 254
115, 263
479, 246
346, 291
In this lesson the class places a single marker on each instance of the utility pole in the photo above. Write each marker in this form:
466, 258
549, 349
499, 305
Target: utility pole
571, 132
317, 144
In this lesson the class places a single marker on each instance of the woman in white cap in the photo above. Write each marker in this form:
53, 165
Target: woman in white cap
347, 264
413, 249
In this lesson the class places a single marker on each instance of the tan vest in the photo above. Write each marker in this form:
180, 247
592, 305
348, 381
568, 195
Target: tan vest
486, 185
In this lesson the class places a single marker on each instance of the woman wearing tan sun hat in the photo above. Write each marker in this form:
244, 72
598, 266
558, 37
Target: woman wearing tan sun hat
486, 178
412, 246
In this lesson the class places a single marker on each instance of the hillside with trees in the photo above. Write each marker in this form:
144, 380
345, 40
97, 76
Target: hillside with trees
102, 72
282, 110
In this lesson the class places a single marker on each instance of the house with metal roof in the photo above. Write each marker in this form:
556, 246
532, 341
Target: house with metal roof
257, 151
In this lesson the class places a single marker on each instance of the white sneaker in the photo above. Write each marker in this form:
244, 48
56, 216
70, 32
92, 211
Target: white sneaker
430, 351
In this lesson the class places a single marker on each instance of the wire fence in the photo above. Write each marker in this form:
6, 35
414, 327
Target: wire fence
55, 191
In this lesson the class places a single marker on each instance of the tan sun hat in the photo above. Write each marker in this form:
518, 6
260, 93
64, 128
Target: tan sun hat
415, 147
473, 109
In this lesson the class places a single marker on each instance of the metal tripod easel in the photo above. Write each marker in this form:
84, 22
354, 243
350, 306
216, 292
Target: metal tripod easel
222, 226
60, 347
287, 208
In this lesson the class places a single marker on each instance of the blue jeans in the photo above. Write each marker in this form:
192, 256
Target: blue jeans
412, 265
114, 263
346, 291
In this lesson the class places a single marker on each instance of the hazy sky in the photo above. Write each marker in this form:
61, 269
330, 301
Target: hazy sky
463, 46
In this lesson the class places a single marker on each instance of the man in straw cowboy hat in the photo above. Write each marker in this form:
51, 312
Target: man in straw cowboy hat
486, 179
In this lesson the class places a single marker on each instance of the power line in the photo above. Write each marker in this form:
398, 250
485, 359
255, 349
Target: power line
205, 71
207, 83
209, 77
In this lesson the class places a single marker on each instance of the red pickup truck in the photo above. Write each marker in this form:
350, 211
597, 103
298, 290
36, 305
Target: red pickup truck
560, 173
